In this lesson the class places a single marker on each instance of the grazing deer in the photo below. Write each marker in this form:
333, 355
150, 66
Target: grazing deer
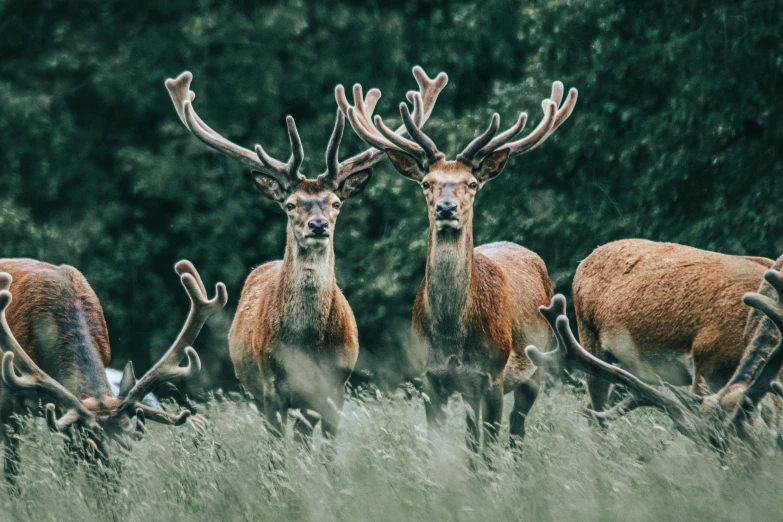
59, 321
294, 341
476, 309
659, 308
733, 409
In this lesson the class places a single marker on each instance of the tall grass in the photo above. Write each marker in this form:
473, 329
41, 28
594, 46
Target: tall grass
381, 468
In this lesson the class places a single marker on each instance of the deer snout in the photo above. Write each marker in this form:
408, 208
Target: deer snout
318, 226
446, 209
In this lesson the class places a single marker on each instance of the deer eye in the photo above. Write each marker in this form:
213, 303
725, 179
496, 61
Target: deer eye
473, 185
290, 206
336, 204
425, 185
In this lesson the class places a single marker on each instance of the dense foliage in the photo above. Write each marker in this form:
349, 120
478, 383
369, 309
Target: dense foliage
675, 137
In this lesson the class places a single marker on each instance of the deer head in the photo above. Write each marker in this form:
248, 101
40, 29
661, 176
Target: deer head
451, 186
123, 416
312, 205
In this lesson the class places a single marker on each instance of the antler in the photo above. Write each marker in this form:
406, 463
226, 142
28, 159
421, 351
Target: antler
569, 351
287, 174
168, 368
490, 141
765, 380
34, 380
373, 131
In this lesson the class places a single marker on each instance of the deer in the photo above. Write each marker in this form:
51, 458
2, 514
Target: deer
55, 347
748, 404
664, 312
294, 339
476, 308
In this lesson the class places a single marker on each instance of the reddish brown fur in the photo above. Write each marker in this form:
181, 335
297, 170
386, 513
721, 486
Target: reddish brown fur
651, 306
58, 320
476, 311
294, 340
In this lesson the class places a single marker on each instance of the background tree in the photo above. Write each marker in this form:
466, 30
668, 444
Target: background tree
675, 138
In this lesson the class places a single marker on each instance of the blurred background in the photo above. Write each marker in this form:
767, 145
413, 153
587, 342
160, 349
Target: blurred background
676, 137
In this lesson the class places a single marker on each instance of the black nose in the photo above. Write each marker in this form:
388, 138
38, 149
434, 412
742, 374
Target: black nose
446, 209
318, 226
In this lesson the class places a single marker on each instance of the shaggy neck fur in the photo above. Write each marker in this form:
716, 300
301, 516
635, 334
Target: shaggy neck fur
307, 289
449, 277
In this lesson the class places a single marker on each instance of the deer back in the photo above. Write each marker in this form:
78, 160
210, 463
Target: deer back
58, 320
663, 299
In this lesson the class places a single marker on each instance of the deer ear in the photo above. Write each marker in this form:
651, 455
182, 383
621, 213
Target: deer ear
128, 380
270, 187
406, 164
354, 184
492, 165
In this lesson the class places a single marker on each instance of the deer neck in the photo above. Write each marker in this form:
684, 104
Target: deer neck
307, 288
449, 276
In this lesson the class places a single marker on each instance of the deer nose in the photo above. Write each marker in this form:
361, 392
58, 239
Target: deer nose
446, 209
318, 225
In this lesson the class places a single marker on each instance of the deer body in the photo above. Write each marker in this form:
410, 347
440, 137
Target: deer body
57, 317
294, 340
474, 314
54, 333
658, 308
477, 309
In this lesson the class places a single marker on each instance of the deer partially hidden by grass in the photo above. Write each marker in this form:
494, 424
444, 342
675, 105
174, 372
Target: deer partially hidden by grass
747, 405
476, 309
664, 312
294, 340
55, 347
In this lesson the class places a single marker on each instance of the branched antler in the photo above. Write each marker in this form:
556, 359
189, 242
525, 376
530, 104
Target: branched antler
168, 368
287, 174
569, 352
490, 141
766, 378
375, 133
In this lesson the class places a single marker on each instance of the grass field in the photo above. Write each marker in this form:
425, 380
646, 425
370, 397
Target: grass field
381, 469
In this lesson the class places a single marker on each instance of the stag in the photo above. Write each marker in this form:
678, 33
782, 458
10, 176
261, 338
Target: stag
294, 340
476, 309
664, 312
55, 346
749, 400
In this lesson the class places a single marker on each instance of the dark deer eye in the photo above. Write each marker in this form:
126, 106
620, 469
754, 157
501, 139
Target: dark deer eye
425, 185
473, 185
336, 204
290, 206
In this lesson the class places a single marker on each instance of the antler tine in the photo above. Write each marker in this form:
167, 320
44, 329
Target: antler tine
33, 379
167, 368
571, 352
333, 150
182, 96
430, 150
765, 379
372, 130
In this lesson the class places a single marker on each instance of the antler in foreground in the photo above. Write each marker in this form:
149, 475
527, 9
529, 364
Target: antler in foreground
571, 354
167, 369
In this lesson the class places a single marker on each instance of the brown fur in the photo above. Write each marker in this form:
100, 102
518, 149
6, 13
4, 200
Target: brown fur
652, 307
294, 340
476, 310
58, 320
